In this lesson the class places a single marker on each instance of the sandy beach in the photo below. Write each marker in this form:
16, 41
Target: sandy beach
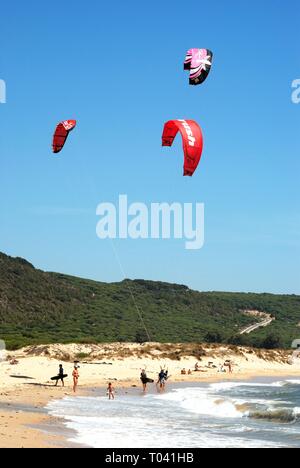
26, 388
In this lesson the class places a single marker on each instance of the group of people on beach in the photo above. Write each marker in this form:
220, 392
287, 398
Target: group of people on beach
228, 365
75, 374
161, 382
61, 376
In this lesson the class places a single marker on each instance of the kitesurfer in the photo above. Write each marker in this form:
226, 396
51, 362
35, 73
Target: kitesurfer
61, 376
162, 378
144, 380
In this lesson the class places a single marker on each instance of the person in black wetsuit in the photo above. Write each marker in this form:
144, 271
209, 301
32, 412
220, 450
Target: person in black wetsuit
60, 375
162, 378
144, 380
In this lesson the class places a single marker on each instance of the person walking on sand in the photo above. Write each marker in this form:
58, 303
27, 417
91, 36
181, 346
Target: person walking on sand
110, 392
228, 364
75, 378
60, 375
162, 378
145, 380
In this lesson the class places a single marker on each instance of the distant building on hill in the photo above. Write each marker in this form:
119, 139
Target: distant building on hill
296, 344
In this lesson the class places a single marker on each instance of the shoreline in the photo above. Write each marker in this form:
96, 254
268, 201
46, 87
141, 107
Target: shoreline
24, 423
26, 388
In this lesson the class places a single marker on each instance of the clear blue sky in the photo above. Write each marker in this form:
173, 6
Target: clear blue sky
117, 68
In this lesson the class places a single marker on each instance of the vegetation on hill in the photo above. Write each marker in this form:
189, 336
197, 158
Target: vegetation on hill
38, 308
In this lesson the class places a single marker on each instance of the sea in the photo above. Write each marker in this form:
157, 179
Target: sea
264, 413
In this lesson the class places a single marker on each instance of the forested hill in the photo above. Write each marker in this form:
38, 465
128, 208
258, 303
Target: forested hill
38, 307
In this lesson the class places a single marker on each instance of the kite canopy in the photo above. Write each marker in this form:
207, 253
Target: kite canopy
199, 62
61, 134
192, 142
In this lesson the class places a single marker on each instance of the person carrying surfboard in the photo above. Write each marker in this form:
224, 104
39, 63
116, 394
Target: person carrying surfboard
145, 380
61, 376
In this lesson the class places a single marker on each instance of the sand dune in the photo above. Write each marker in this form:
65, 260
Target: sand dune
123, 362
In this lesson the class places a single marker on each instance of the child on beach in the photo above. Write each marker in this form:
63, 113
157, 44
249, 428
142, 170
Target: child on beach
110, 392
75, 378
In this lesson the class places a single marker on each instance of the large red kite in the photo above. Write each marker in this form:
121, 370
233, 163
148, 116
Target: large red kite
192, 142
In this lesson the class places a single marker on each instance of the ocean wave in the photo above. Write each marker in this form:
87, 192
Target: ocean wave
297, 412
293, 382
193, 417
224, 386
282, 415
199, 401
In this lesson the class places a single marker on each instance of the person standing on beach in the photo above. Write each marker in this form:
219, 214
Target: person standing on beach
162, 378
75, 378
144, 380
229, 365
110, 392
61, 376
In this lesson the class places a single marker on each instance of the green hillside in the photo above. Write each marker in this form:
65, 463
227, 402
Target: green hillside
38, 307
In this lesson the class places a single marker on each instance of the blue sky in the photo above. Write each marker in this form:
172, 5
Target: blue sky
116, 67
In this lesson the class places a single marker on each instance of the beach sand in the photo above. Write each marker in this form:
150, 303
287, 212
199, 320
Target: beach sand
26, 388
22, 411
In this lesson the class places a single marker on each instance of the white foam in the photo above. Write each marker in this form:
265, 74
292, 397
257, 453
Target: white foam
221, 386
185, 417
199, 401
102, 433
293, 382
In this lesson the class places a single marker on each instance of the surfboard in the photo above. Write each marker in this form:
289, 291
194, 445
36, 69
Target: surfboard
147, 381
59, 377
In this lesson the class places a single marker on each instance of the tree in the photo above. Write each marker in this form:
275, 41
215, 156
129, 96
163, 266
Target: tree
213, 337
238, 340
141, 336
272, 342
